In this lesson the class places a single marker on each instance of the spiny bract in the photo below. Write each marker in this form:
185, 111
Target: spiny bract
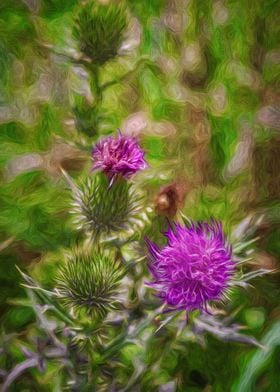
89, 282
100, 29
103, 209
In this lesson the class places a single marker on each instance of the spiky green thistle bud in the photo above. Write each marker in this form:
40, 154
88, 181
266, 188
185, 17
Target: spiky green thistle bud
99, 29
103, 209
89, 282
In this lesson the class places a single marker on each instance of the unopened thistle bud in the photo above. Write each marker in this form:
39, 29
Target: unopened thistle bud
170, 198
89, 282
101, 208
100, 29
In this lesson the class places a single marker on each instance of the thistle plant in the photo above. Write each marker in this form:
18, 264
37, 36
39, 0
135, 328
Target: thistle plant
195, 269
99, 30
99, 288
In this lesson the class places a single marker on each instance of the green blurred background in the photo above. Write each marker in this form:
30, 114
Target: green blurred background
198, 83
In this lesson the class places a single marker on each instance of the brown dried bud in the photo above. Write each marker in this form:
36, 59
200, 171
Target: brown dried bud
170, 198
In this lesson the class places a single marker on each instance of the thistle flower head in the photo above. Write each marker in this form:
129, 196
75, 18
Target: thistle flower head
89, 282
120, 155
194, 267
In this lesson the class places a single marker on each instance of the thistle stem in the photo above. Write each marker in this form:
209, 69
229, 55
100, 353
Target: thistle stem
95, 86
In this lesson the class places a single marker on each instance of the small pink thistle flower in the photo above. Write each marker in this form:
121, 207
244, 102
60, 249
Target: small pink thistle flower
193, 268
119, 155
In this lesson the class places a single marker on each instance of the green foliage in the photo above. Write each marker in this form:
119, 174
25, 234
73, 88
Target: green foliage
15, 26
89, 282
52, 8
99, 30
256, 364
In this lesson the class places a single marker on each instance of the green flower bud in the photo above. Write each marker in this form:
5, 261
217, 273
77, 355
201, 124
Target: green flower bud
100, 29
103, 209
89, 282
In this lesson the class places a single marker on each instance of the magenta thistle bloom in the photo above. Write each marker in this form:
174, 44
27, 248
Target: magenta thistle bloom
194, 267
118, 155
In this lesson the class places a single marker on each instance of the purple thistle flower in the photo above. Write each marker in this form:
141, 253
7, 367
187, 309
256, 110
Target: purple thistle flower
194, 267
118, 155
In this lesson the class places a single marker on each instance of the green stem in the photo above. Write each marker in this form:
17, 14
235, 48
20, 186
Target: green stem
95, 86
127, 75
122, 339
